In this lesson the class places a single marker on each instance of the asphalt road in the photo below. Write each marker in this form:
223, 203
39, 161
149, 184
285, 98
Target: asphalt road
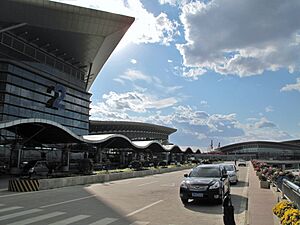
152, 200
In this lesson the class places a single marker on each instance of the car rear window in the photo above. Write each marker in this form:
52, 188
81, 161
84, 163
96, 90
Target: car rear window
205, 172
229, 167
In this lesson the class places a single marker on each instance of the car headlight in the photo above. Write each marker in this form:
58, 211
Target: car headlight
184, 185
31, 170
215, 185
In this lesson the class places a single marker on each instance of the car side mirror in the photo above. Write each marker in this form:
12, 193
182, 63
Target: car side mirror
185, 175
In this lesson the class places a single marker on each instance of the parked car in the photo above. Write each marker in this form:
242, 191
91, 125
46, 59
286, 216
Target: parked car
35, 168
232, 173
4, 168
148, 164
136, 165
241, 162
209, 182
162, 163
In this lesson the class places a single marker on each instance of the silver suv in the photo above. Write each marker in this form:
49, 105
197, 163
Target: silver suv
232, 172
35, 168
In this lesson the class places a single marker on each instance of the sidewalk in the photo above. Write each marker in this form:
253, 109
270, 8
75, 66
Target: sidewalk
260, 202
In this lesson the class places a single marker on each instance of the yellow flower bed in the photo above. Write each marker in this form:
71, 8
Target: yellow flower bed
287, 212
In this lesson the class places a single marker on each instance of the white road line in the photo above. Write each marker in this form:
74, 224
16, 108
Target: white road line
27, 193
70, 220
104, 221
147, 183
1, 204
168, 185
10, 208
37, 218
22, 213
139, 223
142, 209
65, 202
3, 189
241, 218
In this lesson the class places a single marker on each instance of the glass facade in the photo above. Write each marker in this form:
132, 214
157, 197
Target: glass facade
270, 153
29, 92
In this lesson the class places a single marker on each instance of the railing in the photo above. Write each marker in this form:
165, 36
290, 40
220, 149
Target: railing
291, 191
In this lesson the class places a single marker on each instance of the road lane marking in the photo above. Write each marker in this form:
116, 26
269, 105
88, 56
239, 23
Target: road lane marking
28, 193
65, 202
104, 221
147, 183
144, 208
139, 223
13, 215
241, 218
168, 185
10, 209
70, 220
37, 218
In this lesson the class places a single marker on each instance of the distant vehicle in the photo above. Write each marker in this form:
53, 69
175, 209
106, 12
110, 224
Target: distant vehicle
148, 164
241, 162
4, 168
162, 164
208, 182
232, 172
35, 168
136, 165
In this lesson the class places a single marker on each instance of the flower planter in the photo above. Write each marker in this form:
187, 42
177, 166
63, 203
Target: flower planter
264, 184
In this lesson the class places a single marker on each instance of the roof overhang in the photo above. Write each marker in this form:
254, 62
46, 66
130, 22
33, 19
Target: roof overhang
48, 132
86, 36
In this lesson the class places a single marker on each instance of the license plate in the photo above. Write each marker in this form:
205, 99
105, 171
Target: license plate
197, 194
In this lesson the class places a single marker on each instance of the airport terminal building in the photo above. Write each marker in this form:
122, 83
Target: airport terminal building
268, 150
50, 55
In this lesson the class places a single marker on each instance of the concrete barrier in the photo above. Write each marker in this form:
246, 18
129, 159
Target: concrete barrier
45, 184
23, 185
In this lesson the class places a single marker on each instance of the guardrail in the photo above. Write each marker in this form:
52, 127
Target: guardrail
291, 191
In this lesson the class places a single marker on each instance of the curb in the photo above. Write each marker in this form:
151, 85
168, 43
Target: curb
52, 183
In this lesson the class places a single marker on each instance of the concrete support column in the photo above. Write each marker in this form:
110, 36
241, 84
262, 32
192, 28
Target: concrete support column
98, 155
15, 156
65, 159
122, 157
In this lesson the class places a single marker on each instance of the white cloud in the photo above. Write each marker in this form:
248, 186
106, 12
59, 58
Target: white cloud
130, 101
264, 123
147, 27
241, 37
193, 73
194, 127
134, 75
203, 102
133, 61
292, 87
119, 81
269, 109
170, 2
170, 61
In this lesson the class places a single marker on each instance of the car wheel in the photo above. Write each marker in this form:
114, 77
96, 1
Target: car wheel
185, 200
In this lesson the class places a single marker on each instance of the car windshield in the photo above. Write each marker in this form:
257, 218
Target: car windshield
205, 172
229, 167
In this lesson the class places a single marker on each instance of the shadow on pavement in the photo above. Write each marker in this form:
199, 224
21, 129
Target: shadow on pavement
214, 208
71, 201
240, 184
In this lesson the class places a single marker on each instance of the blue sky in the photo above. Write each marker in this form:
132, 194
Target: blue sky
221, 70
